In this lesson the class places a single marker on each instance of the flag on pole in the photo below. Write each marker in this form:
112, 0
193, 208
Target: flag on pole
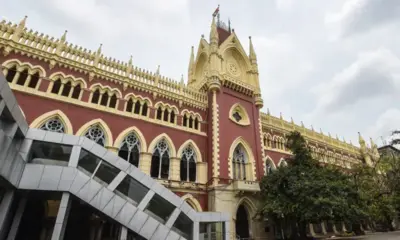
216, 11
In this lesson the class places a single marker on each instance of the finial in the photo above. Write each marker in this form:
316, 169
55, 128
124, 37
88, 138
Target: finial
329, 134
337, 138
64, 36
191, 61
291, 120
182, 82
229, 25
214, 33
312, 128
268, 111
302, 124
23, 21
130, 60
202, 36
99, 49
320, 130
281, 117
344, 140
158, 70
252, 54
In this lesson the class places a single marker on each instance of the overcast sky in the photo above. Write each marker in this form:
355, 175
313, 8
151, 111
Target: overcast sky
331, 64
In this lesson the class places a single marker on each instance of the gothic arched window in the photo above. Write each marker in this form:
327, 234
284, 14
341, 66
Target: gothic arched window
130, 148
188, 164
268, 167
160, 160
239, 160
96, 133
53, 125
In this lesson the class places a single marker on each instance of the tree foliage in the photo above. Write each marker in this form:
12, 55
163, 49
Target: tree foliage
306, 192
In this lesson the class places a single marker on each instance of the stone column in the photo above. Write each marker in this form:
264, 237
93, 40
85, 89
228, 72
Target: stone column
145, 162
62, 217
5, 212
17, 219
175, 169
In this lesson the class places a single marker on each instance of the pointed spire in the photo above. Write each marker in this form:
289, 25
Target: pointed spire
252, 54
64, 36
268, 111
191, 61
130, 61
229, 25
158, 70
372, 143
182, 81
281, 117
291, 120
302, 124
214, 33
361, 140
23, 22
99, 49
312, 128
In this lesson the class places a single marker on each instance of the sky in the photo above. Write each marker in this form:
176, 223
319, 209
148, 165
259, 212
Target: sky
333, 64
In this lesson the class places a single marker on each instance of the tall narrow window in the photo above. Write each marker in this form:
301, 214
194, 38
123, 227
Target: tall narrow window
188, 164
172, 119
129, 105
239, 160
56, 86
77, 91
53, 125
113, 101
166, 114
22, 77
160, 160
96, 134
129, 149
190, 122
66, 90
96, 96
11, 74
34, 80
196, 123
185, 120
104, 99
144, 109
159, 113
137, 107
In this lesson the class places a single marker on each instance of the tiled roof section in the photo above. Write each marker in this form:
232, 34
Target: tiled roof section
222, 34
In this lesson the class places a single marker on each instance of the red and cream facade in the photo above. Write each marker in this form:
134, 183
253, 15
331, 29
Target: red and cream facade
211, 127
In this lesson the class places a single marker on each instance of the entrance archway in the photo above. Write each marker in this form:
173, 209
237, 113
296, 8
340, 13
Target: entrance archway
242, 222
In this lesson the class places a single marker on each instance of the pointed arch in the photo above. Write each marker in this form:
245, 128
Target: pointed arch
195, 148
153, 144
126, 132
282, 162
249, 206
64, 77
109, 138
18, 64
268, 160
52, 114
192, 201
249, 152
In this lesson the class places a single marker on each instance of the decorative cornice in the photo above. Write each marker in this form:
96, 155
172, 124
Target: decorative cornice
59, 52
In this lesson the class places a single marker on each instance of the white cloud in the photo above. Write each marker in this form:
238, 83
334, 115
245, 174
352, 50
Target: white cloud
358, 16
386, 122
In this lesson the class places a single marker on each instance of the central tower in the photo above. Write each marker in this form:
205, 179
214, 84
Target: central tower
222, 68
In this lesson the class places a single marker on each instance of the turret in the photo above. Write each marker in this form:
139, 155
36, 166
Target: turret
191, 63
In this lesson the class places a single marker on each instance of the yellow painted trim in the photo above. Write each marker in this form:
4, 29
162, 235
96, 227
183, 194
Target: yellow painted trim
195, 147
126, 132
138, 97
103, 88
172, 152
56, 113
192, 201
109, 138
17, 63
245, 121
194, 115
248, 149
65, 78
249, 205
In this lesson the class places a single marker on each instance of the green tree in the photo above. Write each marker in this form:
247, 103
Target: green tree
305, 192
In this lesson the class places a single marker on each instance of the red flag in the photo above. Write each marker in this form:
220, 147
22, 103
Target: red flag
216, 11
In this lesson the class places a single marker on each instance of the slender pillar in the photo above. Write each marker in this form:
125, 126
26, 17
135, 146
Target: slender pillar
16, 77
123, 233
5, 212
17, 219
62, 217
145, 162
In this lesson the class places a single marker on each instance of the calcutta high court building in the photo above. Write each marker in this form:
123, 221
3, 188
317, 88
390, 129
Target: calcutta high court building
205, 140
